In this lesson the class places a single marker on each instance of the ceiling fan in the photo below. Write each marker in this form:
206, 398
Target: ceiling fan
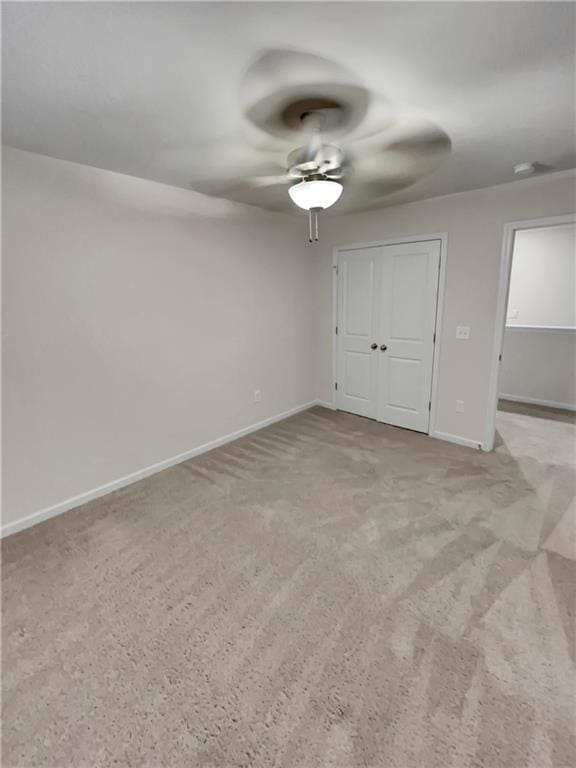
311, 131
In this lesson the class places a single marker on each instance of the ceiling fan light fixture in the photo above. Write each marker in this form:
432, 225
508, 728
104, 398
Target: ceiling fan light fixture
315, 193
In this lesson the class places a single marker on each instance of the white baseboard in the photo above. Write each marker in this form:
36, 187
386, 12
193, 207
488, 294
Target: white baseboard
457, 439
133, 477
326, 404
438, 435
536, 401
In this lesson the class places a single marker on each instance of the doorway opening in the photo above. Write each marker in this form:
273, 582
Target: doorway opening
534, 378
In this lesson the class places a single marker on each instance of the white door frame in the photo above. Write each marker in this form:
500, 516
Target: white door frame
510, 230
443, 237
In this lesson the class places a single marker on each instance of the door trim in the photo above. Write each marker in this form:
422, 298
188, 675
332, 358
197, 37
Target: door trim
443, 238
510, 230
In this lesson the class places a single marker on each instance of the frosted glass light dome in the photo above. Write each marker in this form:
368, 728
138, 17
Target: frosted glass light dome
316, 193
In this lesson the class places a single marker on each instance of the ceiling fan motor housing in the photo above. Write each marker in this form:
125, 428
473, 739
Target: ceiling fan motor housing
327, 160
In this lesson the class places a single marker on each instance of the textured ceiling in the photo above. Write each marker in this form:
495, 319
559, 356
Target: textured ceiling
151, 89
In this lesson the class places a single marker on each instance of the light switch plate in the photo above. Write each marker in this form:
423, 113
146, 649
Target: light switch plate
462, 331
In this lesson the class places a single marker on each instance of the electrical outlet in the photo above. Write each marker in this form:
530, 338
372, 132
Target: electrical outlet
257, 395
513, 314
459, 406
462, 331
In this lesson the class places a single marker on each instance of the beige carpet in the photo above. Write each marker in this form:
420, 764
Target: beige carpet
326, 592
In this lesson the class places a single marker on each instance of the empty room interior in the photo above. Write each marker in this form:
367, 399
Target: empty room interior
288, 384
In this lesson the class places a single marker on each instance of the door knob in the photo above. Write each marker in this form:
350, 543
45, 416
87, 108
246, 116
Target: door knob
373, 346
383, 347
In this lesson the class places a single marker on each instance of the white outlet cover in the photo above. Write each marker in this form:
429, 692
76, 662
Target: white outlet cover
462, 331
257, 396
459, 406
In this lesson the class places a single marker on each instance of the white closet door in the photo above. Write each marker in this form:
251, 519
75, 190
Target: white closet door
408, 288
357, 349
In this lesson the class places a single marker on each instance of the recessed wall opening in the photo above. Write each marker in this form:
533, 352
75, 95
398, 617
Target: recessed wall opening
387, 303
536, 376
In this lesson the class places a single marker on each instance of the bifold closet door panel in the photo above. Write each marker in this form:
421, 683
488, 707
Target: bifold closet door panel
408, 288
358, 322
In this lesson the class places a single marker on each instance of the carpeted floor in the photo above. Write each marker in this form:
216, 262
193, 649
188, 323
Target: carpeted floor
326, 592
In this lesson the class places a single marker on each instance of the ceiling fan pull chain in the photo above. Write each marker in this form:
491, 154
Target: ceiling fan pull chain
313, 224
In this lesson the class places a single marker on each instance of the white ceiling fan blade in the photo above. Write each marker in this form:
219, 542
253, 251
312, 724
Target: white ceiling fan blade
234, 155
280, 86
404, 157
224, 187
277, 67
261, 182
364, 193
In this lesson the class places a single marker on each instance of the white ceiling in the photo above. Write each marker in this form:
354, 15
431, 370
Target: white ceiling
148, 88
